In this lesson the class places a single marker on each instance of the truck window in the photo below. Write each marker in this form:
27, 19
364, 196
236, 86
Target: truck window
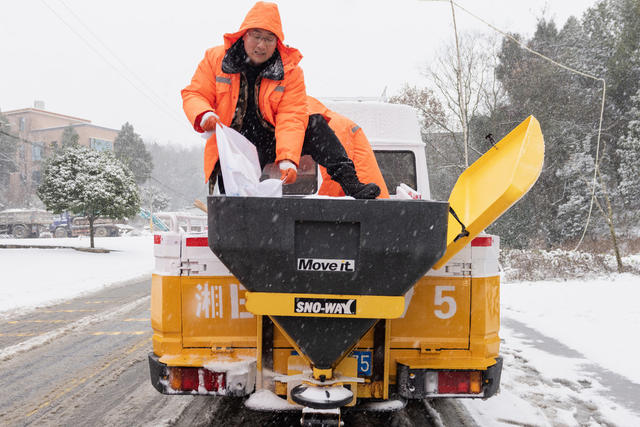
397, 167
307, 181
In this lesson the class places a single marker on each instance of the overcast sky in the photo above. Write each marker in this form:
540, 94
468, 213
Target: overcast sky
127, 60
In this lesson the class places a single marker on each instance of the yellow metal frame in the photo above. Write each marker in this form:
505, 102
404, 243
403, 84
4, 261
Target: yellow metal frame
283, 304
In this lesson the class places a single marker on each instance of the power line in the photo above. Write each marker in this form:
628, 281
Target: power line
32, 143
115, 56
97, 52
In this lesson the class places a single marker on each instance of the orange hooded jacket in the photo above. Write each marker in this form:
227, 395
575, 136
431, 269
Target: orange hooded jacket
281, 102
358, 149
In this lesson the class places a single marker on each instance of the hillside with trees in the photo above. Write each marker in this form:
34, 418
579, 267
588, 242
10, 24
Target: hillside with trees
502, 83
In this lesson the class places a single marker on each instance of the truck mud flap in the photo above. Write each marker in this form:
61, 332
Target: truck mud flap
157, 371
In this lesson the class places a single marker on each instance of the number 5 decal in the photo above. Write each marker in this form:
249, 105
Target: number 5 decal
440, 299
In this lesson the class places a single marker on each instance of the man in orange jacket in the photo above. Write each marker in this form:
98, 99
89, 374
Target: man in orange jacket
253, 84
357, 147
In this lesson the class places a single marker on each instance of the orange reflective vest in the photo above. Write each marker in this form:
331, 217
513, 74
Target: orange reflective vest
357, 147
281, 102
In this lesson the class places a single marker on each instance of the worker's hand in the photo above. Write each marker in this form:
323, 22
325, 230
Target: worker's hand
288, 171
208, 121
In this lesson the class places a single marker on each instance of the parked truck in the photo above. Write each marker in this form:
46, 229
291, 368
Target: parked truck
329, 302
66, 225
61, 225
21, 223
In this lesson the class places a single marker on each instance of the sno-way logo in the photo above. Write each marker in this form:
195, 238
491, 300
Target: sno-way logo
315, 264
325, 306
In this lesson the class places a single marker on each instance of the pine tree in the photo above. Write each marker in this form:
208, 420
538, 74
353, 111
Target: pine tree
629, 170
130, 150
536, 87
69, 138
89, 183
153, 198
8, 146
184, 180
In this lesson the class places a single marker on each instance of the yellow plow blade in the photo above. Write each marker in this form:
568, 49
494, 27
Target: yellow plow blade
493, 183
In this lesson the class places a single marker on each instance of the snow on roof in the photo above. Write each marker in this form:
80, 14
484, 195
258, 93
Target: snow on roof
44, 113
382, 122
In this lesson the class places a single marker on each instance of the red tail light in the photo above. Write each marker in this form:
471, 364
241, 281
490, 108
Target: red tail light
459, 382
453, 382
157, 239
213, 381
188, 379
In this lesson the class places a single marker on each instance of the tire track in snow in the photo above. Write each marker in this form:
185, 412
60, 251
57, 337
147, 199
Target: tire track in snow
35, 342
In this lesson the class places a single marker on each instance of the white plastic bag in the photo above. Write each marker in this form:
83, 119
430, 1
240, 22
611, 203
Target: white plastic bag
403, 191
240, 166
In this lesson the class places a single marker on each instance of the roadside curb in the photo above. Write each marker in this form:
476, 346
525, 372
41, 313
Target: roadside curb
94, 250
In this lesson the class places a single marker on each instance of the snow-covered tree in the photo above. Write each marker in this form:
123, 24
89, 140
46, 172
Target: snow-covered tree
89, 183
183, 181
8, 147
69, 137
629, 170
577, 186
153, 198
129, 148
567, 107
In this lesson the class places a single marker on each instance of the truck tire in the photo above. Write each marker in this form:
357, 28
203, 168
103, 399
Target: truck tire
60, 232
100, 232
20, 231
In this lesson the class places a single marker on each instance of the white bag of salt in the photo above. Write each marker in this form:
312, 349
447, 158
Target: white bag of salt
240, 166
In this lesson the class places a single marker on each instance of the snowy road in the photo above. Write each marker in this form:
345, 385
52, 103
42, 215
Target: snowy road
84, 362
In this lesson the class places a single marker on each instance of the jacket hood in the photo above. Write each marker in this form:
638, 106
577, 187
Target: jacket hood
265, 15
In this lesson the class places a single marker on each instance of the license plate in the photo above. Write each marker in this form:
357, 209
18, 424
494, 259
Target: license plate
365, 360
364, 357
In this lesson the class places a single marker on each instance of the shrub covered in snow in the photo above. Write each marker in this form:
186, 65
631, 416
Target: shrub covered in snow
559, 264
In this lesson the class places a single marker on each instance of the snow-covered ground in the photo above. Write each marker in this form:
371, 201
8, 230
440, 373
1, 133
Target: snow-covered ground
570, 348
33, 277
598, 318
570, 354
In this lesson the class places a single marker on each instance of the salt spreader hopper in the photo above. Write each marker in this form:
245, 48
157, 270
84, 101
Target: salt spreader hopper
326, 270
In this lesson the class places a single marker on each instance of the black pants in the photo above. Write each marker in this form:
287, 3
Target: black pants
320, 142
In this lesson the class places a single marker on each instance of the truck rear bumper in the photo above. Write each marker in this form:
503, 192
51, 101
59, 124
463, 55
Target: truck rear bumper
225, 378
431, 383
